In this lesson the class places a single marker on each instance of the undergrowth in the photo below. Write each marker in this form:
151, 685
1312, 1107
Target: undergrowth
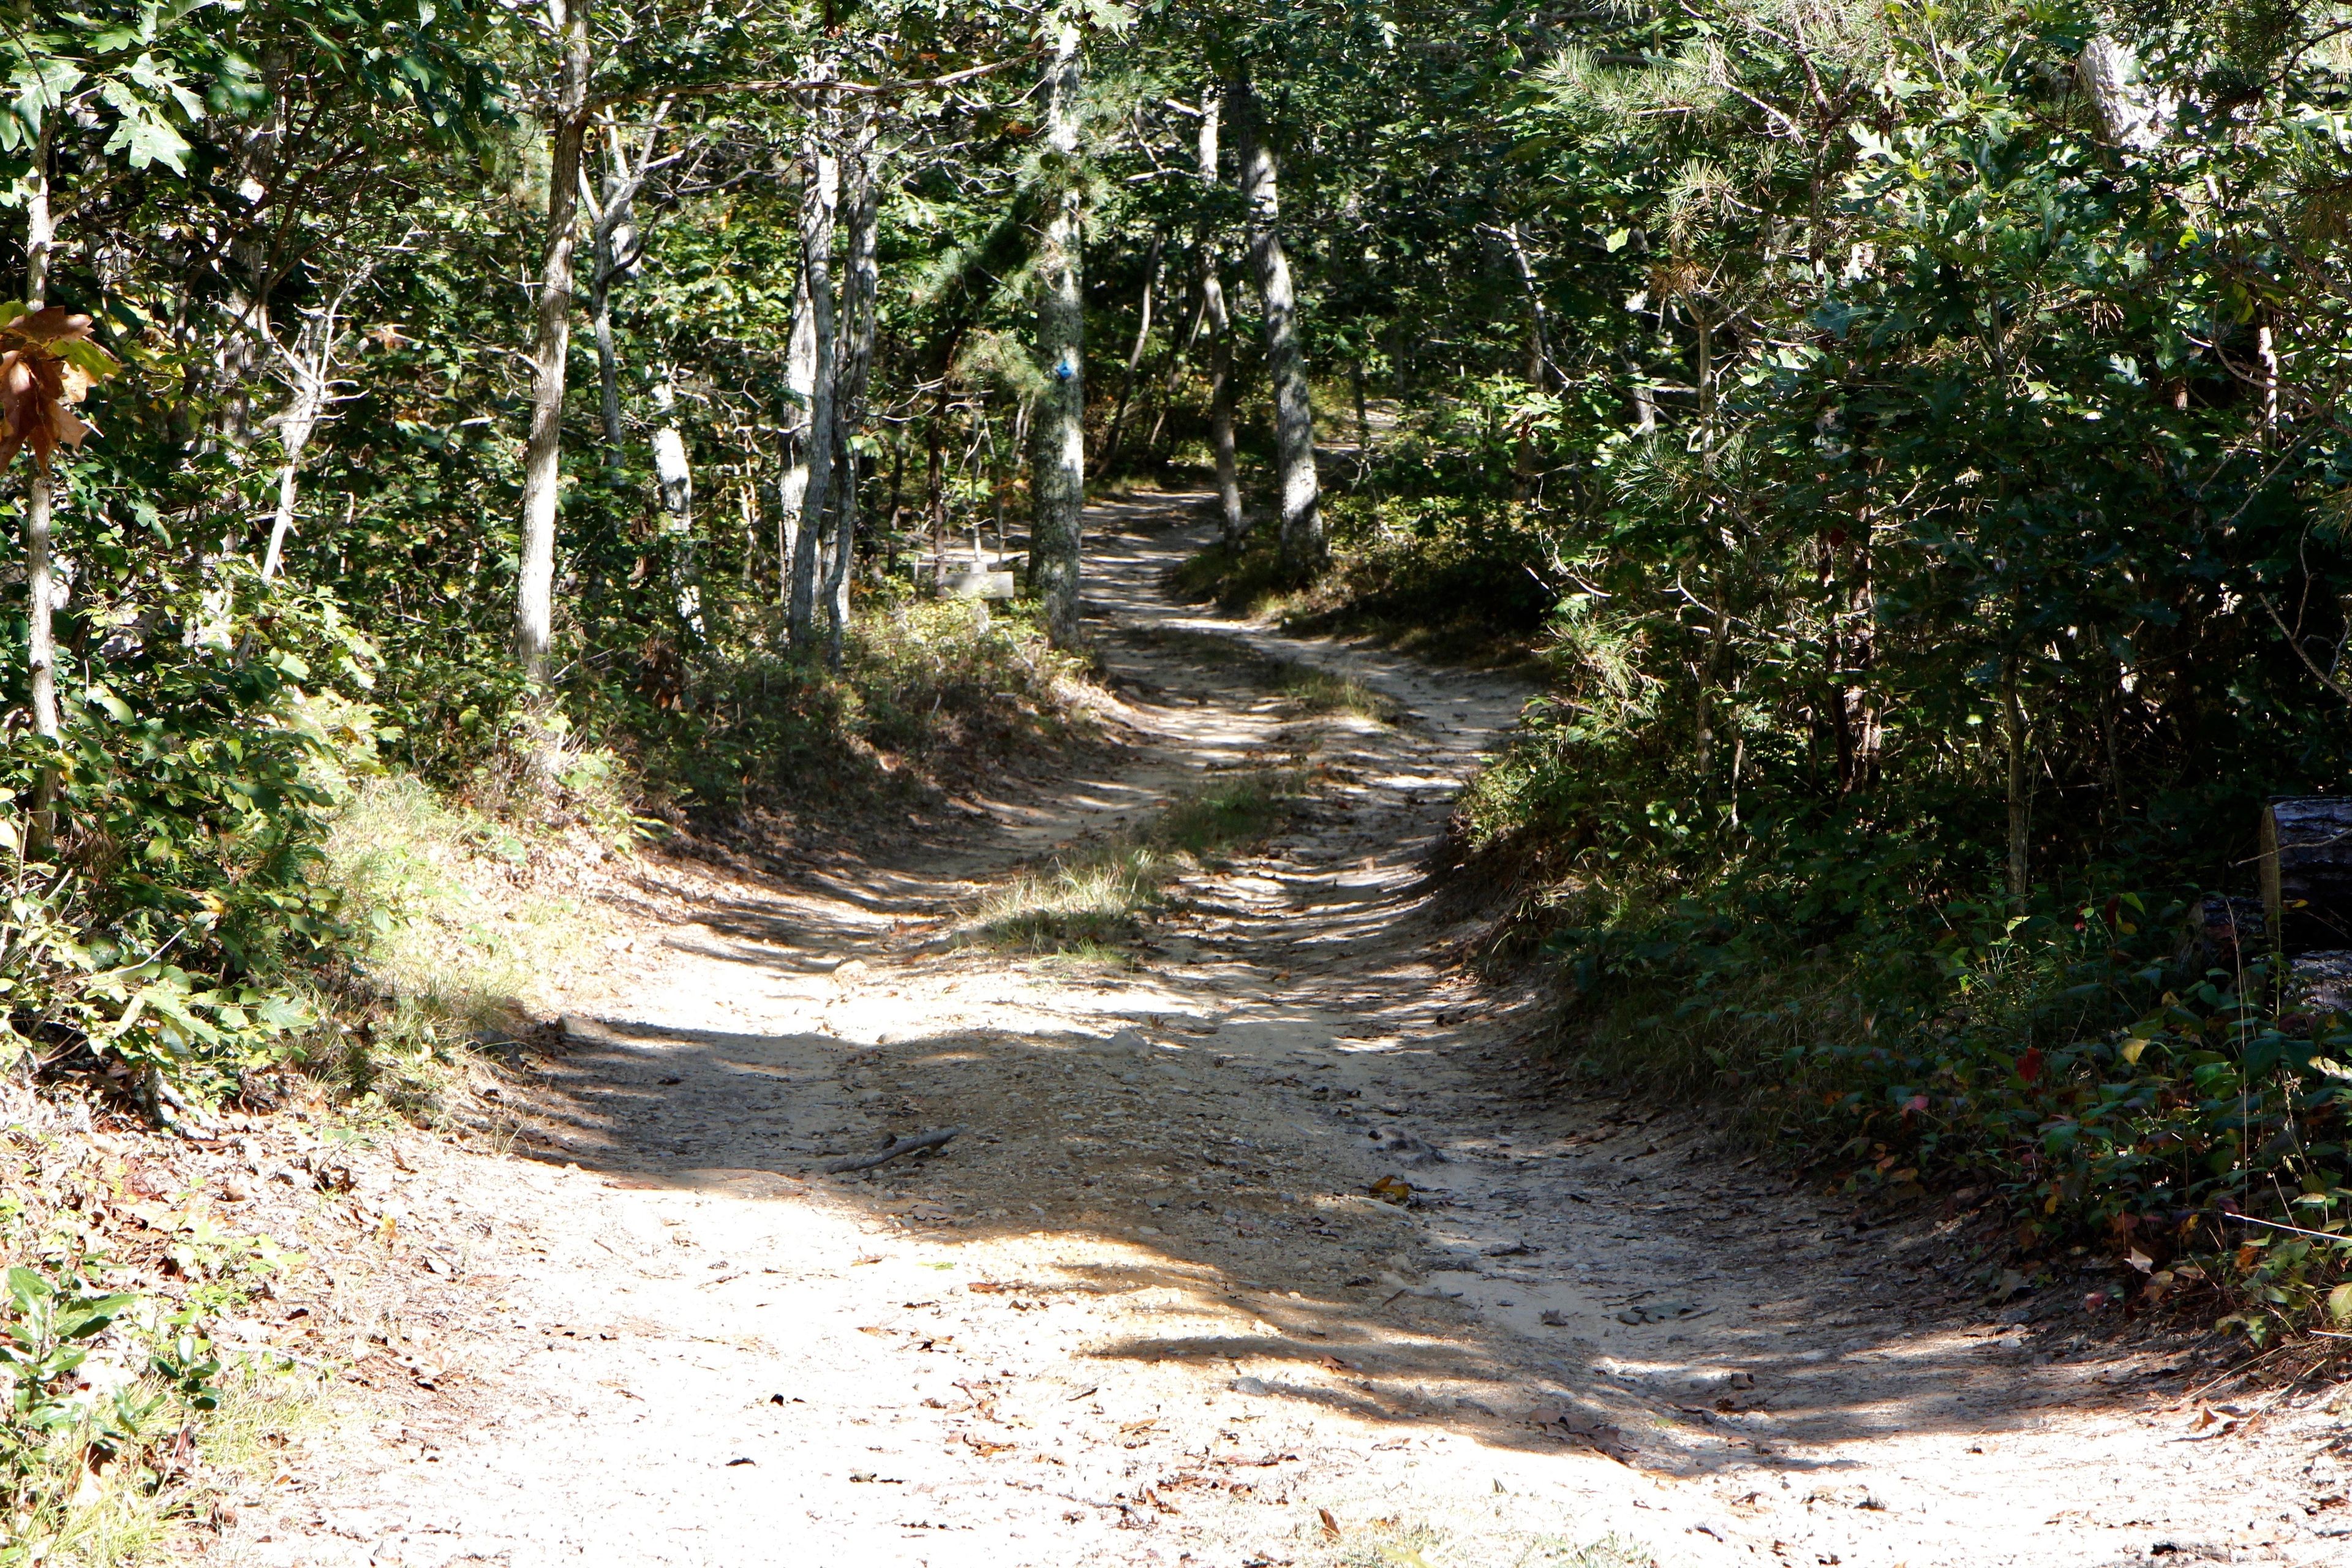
2091, 1066
1450, 577
117, 1411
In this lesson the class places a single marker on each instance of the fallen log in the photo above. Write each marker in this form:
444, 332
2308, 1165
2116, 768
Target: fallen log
2307, 872
890, 1151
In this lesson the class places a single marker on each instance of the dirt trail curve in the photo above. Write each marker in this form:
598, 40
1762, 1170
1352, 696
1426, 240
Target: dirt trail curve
1146, 1310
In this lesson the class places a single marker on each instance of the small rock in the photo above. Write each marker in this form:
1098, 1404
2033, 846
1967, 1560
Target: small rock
1249, 1385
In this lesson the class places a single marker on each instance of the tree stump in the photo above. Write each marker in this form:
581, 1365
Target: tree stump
2307, 872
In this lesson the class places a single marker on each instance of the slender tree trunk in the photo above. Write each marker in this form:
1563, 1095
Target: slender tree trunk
1718, 646
294, 427
617, 250
673, 476
2020, 800
1221, 338
820, 193
1134, 354
860, 284
40, 587
1705, 330
1523, 463
608, 363
1173, 370
1363, 417
1221, 418
1286, 357
792, 487
1645, 402
544, 451
1058, 453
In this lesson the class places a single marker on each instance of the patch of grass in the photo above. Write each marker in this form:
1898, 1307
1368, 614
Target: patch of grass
1418, 1544
464, 931
1320, 691
1096, 900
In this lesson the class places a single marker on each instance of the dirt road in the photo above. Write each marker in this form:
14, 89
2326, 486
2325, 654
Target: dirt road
1148, 1307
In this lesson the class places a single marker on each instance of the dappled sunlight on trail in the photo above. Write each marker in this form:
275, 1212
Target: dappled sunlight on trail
1260, 1241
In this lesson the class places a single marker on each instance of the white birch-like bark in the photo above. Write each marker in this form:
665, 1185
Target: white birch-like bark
1057, 461
860, 284
40, 585
309, 370
792, 487
617, 248
1286, 357
543, 449
294, 426
820, 194
2131, 113
1219, 326
674, 479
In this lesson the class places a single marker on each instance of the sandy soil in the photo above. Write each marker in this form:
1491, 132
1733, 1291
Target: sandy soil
1149, 1307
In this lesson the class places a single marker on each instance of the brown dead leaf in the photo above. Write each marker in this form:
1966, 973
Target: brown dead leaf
1333, 1363
983, 1447
1330, 1525
988, 1286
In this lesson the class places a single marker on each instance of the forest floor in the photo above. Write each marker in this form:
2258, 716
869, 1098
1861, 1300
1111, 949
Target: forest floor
1148, 1307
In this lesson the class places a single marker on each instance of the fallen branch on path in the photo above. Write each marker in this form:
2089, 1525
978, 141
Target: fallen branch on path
890, 1151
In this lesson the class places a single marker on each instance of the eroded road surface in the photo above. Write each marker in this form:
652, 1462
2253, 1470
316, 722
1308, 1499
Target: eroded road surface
1150, 1308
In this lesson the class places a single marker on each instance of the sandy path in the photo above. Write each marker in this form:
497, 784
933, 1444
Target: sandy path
1148, 1309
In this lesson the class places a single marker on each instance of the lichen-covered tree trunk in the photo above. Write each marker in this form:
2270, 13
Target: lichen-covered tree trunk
1057, 461
40, 588
1219, 326
792, 487
1286, 357
820, 193
860, 284
544, 451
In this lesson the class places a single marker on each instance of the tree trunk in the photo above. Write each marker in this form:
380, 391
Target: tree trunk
2021, 802
1523, 460
40, 588
860, 284
608, 363
673, 476
294, 427
1363, 419
1058, 453
617, 250
2130, 113
792, 487
1134, 354
1172, 370
544, 451
1286, 358
1221, 340
820, 193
